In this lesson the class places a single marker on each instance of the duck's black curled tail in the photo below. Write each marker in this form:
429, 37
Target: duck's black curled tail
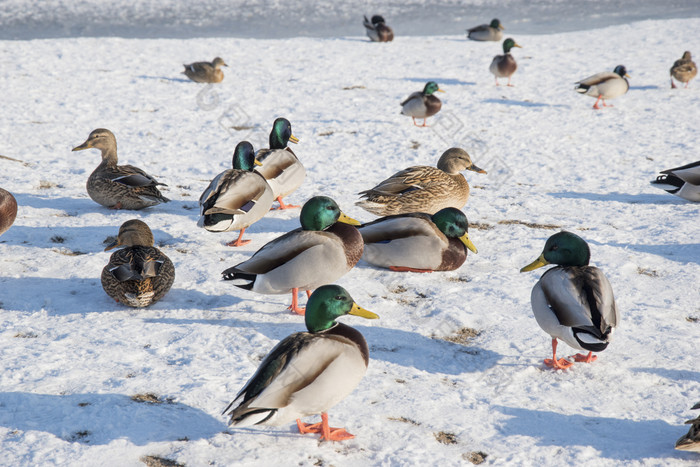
233, 274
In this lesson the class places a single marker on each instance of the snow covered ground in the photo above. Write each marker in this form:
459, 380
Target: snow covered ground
72, 359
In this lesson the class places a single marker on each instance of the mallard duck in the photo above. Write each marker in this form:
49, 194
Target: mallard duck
236, 198
307, 373
118, 186
573, 301
281, 168
486, 32
139, 274
684, 69
605, 85
8, 210
423, 188
503, 66
682, 181
206, 72
422, 104
377, 30
418, 242
321, 251
691, 440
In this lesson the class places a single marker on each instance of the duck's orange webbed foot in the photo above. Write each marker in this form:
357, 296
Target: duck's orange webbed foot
308, 427
560, 364
406, 269
585, 358
329, 433
239, 241
294, 307
283, 206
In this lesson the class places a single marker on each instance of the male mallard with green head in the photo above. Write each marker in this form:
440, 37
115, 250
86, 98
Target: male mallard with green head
281, 167
118, 186
605, 85
486, 32
422, 104
418, 242
139, 274
503, 66
423, 188
236, 198
325, 248
681, 181
573, 301
205, 72
308, 373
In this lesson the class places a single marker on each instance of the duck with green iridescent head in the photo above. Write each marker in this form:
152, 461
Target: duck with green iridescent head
605, 85
308, 373
573, 301
486, 32
503, 66
281, 167
422, 188
326, 247
422, 104
236, 198
418, 242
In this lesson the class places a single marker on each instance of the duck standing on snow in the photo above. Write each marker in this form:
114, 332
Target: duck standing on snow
691, 440
503, 66
486, 32
236, 198
422, 104
206, 72
8, 210
605, 85
418, 242
325, 248
573, 301
281, 167
377, 30
119, 186
682, 181
139, 274
308, 373
684, 69
423, 188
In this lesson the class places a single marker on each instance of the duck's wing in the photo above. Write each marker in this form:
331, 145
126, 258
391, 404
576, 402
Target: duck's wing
479, 28
581, 297
397, 226
689, 173
131, 176
599, 78
199, 68
414, 95
368, 24
412, 178
233, 192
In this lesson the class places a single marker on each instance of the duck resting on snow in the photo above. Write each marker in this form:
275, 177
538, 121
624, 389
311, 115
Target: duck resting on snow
486, 32
205, 72
118, 186
377, 30
308, 373
691, 440
573, 301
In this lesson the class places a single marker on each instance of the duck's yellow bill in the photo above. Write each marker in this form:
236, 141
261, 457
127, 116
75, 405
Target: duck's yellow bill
357, 310
538, 263
85, 145
627, 75
441, 90
114, 244
347, 219
468, 243
293, 139
518, 46
500, 26
257, 162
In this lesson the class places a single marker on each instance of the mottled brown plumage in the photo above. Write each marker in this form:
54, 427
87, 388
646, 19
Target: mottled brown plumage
118, 186
684, 69
205, 72
8, 210
691, 440
422, 188
139, 274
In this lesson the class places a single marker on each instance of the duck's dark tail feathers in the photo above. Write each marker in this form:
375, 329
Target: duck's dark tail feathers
247, 279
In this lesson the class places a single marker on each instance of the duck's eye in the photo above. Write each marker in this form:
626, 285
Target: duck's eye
554, 248
339, 297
